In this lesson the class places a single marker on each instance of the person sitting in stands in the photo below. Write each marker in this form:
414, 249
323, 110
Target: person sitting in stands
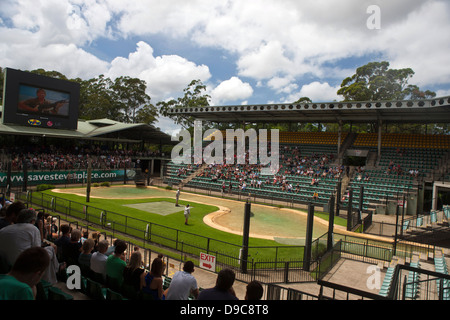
223, 290
98, 260
254, 291
71, 251
12, 211
20, 282
63, 240
115, 264
134, 274
153, 280
17, 237
84, 258
183, 284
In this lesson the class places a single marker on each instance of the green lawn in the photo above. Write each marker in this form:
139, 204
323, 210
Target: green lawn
165, 223
169, 229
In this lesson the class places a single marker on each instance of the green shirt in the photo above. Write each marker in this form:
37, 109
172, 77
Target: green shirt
115, 267
13, 289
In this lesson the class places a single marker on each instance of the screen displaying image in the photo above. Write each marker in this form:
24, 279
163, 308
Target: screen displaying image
43, 101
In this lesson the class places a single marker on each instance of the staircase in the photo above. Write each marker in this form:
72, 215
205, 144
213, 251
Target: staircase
348, 142
192, 175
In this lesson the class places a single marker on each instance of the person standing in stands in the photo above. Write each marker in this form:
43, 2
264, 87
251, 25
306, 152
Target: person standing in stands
20, 282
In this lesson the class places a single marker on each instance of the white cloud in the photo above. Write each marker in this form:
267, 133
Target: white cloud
168, 126
21, 49
276, 44
165, 75
317, 92
230, 90
282, 85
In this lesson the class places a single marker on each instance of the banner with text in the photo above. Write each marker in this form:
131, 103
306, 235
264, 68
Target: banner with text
65, 177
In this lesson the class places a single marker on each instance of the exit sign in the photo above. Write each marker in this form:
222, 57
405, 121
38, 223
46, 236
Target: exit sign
207, 261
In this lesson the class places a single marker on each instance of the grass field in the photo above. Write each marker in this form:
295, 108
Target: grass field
132, 210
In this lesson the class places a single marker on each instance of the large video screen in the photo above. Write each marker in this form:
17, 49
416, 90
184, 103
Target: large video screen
40, 101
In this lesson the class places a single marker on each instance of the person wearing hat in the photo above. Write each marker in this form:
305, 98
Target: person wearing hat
19, 236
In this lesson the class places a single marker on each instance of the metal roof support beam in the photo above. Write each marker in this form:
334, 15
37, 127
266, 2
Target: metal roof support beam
380, 123
339, 138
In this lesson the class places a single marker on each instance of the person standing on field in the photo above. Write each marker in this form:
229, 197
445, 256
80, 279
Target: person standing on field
177, 197
187, 213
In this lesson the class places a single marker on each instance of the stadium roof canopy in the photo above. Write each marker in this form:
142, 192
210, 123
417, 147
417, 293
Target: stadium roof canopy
100, 129
436, 110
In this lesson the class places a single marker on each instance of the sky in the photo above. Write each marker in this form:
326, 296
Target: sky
244, 51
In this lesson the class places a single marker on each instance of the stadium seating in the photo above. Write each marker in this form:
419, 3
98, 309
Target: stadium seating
292, 184
387, 281
401, 140
413, 284
441, 267
404, 159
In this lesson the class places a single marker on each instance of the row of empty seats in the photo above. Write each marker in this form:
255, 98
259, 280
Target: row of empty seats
441, 266
324, 138
400, 140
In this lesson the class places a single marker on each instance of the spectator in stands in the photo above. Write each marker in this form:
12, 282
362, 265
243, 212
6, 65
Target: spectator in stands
84, 236
84, 259
254, 291
71, 251
183, 284
27, 271
223, 290
12, 212
16, 238
98, 259
115, 264
63, 240
41, 225
53, 228
315, 196
134, 274
111, 249
55, 267
154, 281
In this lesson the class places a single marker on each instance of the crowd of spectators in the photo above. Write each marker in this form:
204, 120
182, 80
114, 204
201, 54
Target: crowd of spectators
60, 158
292, 164
32, 249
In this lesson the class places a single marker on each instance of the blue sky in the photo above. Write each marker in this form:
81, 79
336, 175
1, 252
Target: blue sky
244, 51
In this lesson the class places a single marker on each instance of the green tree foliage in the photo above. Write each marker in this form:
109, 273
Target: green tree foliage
130, 97
375, 81
194, 96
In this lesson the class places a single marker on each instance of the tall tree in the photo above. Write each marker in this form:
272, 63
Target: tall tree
130, 94
375, 81
194, 96
97, 100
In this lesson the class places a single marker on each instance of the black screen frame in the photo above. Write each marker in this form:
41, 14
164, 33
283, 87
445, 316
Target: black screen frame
11, 114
